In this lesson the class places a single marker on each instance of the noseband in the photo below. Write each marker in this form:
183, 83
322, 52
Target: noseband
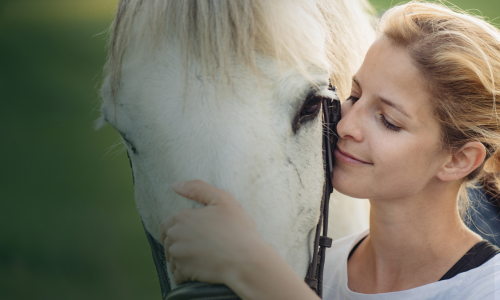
314, 278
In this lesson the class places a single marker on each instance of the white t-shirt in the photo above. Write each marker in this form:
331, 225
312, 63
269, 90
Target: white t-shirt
481, 283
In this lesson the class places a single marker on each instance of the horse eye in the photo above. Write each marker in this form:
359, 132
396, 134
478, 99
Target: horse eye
311, 106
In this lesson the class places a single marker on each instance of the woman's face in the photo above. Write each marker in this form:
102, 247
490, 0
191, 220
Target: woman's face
389, 146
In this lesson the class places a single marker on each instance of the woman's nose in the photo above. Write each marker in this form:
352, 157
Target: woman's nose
351, 125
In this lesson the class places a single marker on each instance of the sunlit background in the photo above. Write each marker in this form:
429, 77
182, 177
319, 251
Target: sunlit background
69, 228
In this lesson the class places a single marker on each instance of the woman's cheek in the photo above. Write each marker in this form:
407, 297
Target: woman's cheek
348, 184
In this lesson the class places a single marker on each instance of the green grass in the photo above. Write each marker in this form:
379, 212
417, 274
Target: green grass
486, 8
68, 224
69, 228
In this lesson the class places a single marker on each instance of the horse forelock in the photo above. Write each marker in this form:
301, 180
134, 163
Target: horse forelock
331, 35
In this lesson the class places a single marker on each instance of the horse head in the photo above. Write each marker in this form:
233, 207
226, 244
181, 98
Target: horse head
227, 92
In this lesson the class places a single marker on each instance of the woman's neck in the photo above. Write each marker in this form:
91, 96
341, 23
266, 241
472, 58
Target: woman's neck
412, 242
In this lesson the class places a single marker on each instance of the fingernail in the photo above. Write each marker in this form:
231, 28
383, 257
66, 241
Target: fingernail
178, 185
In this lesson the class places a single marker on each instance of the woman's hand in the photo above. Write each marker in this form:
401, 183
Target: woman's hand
213, 243
219, 243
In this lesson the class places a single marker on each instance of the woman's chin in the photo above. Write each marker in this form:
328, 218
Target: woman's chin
349, 189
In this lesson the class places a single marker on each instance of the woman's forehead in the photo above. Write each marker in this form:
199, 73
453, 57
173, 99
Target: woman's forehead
389, 75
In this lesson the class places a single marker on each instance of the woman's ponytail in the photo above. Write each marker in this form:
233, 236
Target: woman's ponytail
491, 178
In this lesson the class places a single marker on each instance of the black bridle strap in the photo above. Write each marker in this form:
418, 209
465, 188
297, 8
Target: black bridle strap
331, 116
158, 253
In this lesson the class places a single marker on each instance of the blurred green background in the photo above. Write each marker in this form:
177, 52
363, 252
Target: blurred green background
68, 224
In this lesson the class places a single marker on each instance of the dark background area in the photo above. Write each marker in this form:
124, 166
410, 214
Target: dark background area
69, 228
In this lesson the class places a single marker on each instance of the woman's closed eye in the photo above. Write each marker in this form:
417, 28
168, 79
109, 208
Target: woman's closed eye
382, 118
388, 124
352, 99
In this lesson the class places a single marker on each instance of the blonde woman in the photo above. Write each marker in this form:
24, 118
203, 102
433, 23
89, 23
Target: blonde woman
421, 123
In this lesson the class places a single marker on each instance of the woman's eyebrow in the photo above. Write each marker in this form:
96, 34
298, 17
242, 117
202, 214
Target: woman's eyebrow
393, 105
383, 100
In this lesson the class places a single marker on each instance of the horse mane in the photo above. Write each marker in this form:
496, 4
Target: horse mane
218, 33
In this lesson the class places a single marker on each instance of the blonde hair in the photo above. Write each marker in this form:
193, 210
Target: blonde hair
459, 55
222, 33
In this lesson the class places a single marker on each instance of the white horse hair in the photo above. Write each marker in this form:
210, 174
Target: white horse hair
212, 90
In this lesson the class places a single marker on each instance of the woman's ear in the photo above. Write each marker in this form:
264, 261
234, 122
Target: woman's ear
463, 162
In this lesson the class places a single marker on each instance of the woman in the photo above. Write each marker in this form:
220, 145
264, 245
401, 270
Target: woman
421, 123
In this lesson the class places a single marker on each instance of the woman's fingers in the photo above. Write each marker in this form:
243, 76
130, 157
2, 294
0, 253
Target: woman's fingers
197, 240
171, 266
165, 225
166, 239
166, 245
179, 277
200, 191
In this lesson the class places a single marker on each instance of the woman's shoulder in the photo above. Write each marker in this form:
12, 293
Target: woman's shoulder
340, 249
482, 282
348, 242
478, 255
335, 271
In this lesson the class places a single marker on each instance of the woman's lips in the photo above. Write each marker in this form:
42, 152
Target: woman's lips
347, 158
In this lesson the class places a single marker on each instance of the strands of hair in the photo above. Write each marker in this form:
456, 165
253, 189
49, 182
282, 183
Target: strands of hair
302, 34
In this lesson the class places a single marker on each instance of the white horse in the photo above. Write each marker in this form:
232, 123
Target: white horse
217, 91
